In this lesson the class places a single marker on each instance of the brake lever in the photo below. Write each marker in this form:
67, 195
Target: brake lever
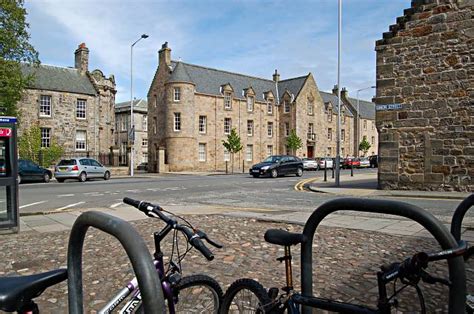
426, 277
204, 236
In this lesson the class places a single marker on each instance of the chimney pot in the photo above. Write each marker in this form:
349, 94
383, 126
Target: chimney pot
164, 55
276, 76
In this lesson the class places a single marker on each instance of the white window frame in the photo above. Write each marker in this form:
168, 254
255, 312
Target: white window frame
250, 103
145, 123
81, 143
202, 124
343, 135
227, 100
177, 122
176, 94
286, 106
202, 152
45, 137
269, 150
330, 115
81, 109
249, 153
373, 140
227, 125
270, 107
144, 142
270, 129
249, 127
45, 107
330, 134
310, 109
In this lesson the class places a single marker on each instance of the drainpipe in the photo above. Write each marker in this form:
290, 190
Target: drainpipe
277, 124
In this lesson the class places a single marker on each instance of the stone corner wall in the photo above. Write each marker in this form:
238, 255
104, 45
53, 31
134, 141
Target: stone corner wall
425, 64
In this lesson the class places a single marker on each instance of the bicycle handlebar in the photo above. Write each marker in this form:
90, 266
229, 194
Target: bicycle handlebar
194, 238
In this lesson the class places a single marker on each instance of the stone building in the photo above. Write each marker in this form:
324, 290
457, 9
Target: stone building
122, 131
425, 98
192, 109
72, 106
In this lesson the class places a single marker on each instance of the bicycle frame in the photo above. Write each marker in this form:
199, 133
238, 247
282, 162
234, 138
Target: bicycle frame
132, 286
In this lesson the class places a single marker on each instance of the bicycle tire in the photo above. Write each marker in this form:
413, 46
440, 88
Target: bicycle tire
195, 285
231, 303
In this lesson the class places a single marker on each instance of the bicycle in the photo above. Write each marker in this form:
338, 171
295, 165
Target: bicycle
249, 296
17, 293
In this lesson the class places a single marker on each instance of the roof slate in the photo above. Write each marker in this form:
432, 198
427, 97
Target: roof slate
366, 108
331, 98
60, 79
293, 85
138, 104
179, 74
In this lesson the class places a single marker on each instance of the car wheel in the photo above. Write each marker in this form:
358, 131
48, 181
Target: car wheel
255, 175
60, 180
106, 175
299, 172
82, 177
46, 177
274, 173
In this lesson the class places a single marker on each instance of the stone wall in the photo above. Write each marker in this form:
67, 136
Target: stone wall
425, 64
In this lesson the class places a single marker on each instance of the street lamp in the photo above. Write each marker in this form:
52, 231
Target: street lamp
132, 130
358, 117
338, 128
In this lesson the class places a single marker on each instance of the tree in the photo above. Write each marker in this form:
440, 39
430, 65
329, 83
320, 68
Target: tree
29, 147
233, 145
294, 142
14, 49
364, 146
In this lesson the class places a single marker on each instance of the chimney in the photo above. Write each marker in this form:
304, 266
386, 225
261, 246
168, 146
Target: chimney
276, 76
343, 93
81, 58
164, 55
334, 90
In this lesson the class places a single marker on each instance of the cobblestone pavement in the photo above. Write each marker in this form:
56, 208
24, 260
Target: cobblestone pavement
345, 261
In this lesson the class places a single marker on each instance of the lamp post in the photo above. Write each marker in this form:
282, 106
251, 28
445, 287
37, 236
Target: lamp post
358, 117
338, 128
132, 130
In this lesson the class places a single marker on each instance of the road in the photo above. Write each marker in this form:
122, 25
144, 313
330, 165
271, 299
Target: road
238, 190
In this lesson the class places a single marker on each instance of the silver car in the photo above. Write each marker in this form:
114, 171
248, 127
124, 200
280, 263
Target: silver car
81, 168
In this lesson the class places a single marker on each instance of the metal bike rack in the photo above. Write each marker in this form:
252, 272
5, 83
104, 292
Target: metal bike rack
457, 291
458, 216
137, 251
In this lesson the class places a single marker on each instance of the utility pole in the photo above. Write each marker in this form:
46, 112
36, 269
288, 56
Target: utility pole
338, 128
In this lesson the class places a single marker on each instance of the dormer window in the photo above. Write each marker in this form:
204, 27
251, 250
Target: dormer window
270, 106
227, 100
250, 103
329, 115
176, 94
287, 106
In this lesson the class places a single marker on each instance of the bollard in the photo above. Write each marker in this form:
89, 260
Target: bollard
352, 168
226, 167
243, 166
325, 169
333, 169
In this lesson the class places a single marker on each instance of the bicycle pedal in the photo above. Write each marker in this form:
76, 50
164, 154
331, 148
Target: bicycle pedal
273, 293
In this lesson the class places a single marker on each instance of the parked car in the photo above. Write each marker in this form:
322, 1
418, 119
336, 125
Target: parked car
374, 161
325, 162
143, 166
310, 164
81, 168
29, 171
350, 162
277, 165
364, 162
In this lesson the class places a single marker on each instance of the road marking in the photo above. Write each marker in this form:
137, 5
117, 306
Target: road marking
69, 206
88, 193
300, 185
32, 204
115, 205
133, 191
64, 195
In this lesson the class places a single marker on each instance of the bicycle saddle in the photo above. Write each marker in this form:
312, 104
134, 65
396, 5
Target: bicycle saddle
283, 237
17, 292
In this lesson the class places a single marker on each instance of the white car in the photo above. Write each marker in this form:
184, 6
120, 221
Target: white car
364, 162
325, 162
310, 164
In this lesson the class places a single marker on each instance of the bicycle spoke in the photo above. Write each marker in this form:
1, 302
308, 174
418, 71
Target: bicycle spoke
244, 302
196, 300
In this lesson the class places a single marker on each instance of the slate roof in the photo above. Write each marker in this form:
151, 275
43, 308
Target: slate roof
209, 81
366, 108
331, 98
293, 85
140, 105
59, 79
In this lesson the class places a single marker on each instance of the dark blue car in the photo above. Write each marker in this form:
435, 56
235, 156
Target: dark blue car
29, 171
278, 165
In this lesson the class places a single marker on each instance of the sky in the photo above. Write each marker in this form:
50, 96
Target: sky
252, 37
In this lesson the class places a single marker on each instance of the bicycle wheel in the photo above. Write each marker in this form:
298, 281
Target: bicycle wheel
245, 296
197, 294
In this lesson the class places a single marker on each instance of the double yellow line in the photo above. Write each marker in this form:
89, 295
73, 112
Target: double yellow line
300, 185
